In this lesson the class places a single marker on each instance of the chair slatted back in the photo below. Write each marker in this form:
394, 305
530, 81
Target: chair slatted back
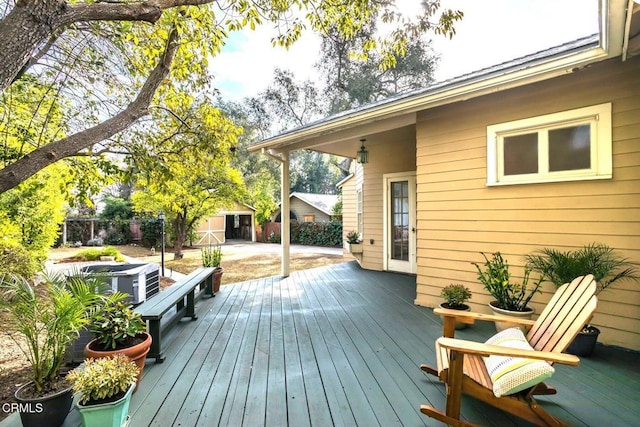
570, 308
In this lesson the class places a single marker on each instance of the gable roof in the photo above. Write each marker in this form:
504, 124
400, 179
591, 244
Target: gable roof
322, 202
401, 110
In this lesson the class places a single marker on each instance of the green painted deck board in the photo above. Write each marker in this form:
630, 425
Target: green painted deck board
339, 346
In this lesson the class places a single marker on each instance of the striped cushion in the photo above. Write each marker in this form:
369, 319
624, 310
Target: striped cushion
513, 374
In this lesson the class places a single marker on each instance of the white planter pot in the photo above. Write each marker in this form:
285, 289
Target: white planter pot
500, 326
354, 248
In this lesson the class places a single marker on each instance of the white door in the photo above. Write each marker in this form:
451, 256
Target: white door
400, 222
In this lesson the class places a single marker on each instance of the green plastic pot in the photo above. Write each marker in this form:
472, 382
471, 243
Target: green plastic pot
111, 414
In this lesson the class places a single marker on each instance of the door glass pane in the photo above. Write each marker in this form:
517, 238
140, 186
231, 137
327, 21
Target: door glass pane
521, 154
570, 148
400, 220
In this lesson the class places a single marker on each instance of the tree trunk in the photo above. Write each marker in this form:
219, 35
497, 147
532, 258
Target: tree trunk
180, 227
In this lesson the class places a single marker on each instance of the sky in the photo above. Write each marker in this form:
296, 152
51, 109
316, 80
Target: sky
491, 32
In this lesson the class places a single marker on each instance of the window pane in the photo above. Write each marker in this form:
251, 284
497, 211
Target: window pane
570, 148
521, 154
400, 215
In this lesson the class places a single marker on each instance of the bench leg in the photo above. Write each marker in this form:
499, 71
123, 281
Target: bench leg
209, 286
156, 341
191, 305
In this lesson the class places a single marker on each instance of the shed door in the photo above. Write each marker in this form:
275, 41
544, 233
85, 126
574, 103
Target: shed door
400, 223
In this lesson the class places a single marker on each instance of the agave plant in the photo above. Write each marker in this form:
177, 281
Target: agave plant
560, 267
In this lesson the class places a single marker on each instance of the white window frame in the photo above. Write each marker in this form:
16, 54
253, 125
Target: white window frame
597, 116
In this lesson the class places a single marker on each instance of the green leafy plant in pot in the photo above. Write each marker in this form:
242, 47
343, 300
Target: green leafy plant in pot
560, 267
353, 242
43, 320
104, 387
212, 257
455, 296
119, 329
510, 299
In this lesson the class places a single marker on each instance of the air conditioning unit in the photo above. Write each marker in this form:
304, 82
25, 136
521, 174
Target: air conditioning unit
141, 281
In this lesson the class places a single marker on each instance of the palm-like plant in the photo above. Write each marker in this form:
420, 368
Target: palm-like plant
43, 320
560, 267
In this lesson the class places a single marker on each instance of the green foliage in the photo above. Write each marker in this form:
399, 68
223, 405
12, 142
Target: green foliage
211, 256
151, 228
110, 59
115, 323
95, 254
43, 320
190, 178
560, 267
116, 208
316, 233
103, 379
336, 210
497, 281
16, 260
274, 238
353, 237
455, 295
37, 209
118, 231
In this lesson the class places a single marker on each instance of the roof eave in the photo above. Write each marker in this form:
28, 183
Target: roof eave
613, 16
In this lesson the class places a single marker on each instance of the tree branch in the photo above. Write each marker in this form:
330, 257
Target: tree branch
40, 158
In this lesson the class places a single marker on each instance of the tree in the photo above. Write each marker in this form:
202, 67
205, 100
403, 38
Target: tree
31, 29
186, 184
351, 80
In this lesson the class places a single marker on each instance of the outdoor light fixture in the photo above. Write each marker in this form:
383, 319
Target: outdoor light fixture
162, 218
362, 156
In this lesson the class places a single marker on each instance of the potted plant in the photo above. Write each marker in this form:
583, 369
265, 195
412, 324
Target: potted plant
104, 387
119, 329
511, 299
211, 257
455, 296
43, 320
353, 242
560, 267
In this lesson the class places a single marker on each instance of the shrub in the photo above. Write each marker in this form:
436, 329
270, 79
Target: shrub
95, 254
106, 378
16, 260
455, 295
115, 323
497, 281
598, 259
211, 256
317, 233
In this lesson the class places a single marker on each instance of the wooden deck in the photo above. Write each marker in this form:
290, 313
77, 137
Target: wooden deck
340, 346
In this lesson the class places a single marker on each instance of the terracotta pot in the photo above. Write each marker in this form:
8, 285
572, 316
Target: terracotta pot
136, 353
47, 411
217, 279
500, 326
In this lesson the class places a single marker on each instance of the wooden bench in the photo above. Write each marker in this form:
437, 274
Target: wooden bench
181, 296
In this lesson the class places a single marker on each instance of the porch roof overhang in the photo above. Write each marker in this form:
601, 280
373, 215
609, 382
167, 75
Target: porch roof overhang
339, 134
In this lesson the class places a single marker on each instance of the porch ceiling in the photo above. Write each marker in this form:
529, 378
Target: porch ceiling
345, 142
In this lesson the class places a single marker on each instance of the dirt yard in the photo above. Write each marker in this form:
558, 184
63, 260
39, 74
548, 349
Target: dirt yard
239, 265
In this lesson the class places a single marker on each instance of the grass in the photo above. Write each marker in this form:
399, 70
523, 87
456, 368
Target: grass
238, 266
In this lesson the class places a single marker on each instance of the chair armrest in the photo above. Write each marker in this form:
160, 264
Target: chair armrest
484, 350
470, 317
